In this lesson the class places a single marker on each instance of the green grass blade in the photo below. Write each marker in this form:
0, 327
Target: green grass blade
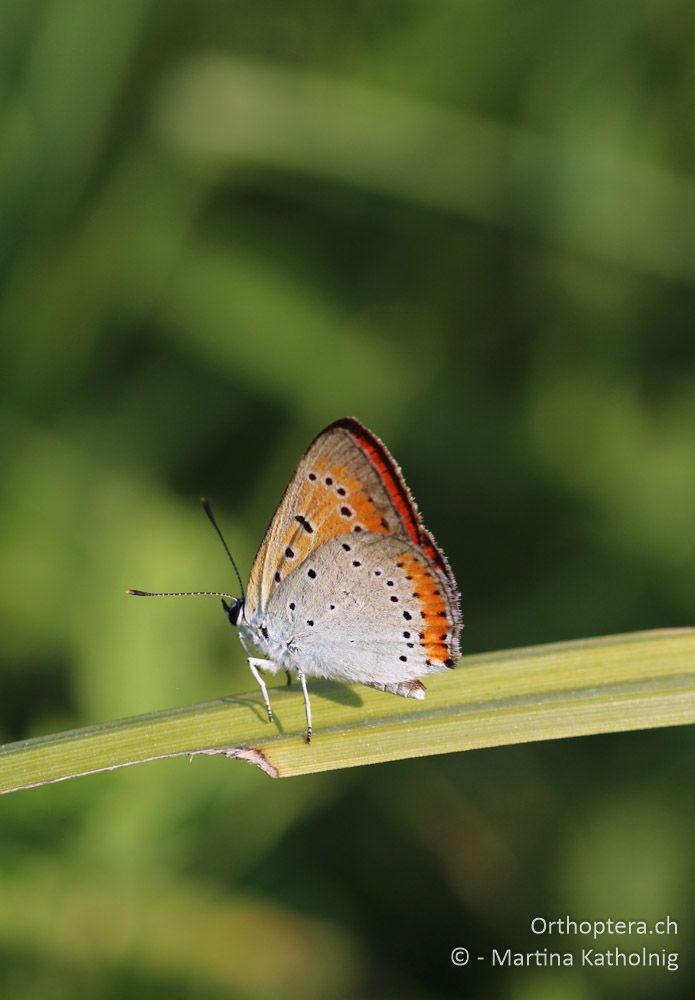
612, 684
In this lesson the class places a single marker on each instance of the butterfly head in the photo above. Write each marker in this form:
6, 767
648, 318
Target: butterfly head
233, 610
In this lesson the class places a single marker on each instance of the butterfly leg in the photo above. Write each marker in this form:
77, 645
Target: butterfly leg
307, 704
254, 664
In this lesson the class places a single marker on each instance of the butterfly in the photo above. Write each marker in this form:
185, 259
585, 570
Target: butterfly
347, 584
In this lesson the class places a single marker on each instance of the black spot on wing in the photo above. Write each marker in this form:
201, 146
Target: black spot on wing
305, 524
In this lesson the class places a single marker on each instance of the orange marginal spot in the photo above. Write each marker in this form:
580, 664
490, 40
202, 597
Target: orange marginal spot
432, 552
435, 620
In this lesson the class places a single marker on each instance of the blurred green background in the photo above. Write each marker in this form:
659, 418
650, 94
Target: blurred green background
223, 225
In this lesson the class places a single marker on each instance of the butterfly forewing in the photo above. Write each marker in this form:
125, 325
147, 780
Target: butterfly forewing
346, 482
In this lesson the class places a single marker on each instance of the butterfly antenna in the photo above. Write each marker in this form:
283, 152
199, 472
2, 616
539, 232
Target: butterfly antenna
180, 593
211, 517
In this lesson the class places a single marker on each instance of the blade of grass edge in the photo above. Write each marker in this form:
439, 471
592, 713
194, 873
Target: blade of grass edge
612, 684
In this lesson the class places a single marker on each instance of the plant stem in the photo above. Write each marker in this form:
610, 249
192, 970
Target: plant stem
612, 684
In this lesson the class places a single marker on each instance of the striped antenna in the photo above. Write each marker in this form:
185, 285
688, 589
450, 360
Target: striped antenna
180, 593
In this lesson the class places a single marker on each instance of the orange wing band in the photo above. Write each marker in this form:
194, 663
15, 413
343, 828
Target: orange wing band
436, 627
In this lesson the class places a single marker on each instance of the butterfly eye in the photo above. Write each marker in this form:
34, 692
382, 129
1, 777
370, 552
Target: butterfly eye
233, 611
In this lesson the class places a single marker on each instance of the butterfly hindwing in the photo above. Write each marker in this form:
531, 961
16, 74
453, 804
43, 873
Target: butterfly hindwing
369, 608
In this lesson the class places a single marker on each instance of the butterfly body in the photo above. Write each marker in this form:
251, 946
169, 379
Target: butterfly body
348, 584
